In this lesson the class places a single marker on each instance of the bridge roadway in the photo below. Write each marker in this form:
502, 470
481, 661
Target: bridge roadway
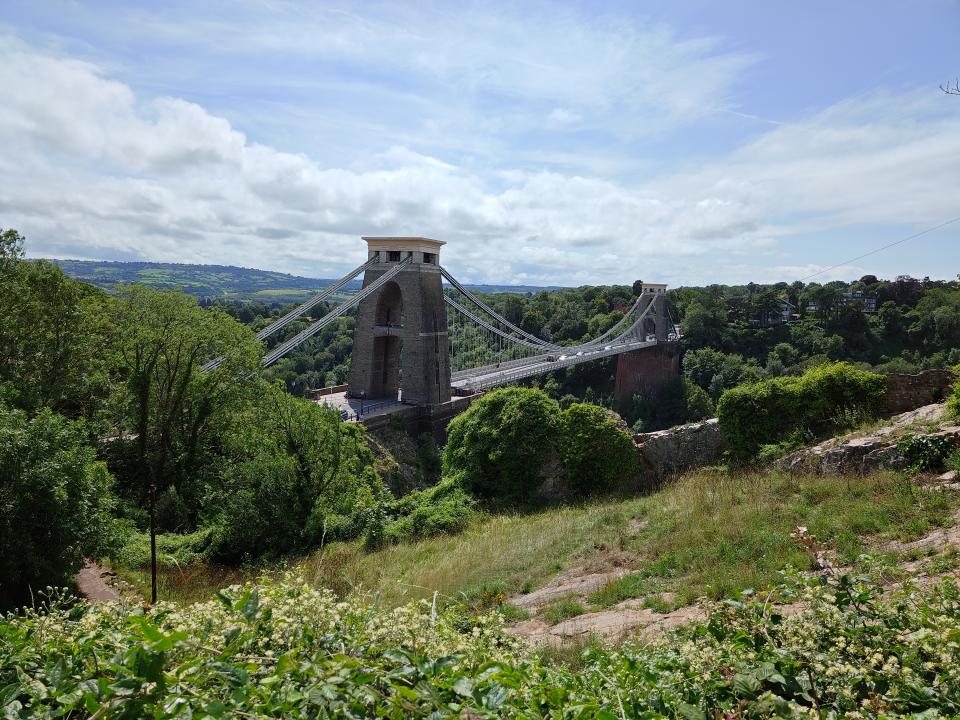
489, 376
483, 378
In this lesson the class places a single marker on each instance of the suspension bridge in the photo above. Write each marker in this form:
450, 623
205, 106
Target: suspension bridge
418, 343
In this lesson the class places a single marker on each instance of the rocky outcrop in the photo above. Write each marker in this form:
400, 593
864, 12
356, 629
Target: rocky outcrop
667, 452
875, 450
907, 392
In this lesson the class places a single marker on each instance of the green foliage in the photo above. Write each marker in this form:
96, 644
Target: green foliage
925, 452
174, 550
824, 398
283, 650
443, 508
52, 337
635, 585
679, 401
953, 401
597, 455
55, 500
295, 476
501, 443
500, 446
176, 413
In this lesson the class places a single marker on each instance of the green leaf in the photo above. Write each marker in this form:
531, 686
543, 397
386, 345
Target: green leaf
463, 686
690, 712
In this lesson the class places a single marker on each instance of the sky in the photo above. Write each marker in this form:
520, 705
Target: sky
563, 143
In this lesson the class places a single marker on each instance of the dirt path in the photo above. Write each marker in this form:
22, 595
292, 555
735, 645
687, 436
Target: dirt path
91, 583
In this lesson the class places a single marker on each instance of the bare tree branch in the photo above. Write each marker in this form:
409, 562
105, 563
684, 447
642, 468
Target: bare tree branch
951, 90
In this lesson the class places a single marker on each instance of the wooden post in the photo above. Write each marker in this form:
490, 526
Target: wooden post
153, 543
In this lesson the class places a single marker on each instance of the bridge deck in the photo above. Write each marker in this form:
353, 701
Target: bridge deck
482, 378
490, 376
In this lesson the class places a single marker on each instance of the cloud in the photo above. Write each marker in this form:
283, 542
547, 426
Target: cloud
90, 168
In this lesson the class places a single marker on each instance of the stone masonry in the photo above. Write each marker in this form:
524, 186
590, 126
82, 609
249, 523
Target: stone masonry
400, 336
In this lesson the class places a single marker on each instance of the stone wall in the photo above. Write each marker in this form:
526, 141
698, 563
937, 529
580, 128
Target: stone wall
908, 392
668, 452
418, 420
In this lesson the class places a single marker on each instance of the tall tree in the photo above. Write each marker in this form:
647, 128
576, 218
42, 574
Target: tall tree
173, 407
51, 336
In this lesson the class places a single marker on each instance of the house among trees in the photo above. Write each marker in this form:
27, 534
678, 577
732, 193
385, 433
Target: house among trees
868, 303
763, 309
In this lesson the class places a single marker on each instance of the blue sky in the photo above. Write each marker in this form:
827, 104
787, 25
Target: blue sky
547, 143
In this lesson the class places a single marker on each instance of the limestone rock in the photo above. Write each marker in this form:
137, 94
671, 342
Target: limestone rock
667, 452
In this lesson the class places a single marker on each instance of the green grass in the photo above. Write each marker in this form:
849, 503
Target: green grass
709, 534
713, 535
561, 610
498, 555
637, 585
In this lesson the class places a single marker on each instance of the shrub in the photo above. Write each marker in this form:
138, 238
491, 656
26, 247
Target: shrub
55, 502
444, 508
925, 452
597, 455
173, 549
824, 398
296, 476
850, 648
501, 443
953, 402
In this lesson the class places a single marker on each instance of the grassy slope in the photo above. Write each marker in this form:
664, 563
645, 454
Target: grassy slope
707, 534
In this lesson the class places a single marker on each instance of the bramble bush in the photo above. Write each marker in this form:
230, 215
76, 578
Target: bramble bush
953, 402
442, 508
925, 452
502, 441
824, 399
284, 649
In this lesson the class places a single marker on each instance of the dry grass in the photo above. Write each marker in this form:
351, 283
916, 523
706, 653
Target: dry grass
706, 534
499, 555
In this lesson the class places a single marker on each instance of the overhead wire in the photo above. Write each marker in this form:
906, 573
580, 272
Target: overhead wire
881, 249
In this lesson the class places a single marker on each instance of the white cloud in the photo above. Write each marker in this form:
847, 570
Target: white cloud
562, 118
91, 170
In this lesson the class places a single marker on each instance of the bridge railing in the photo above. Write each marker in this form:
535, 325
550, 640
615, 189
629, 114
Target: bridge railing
497, 377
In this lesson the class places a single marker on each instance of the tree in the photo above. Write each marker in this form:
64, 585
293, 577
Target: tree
637, 288
294, 474
597, 455
51, 336
55, 502
11, 247
703, 326
501, 443
700, 366
173, 408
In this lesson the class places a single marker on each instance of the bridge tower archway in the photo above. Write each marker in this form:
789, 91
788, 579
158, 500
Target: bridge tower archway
400, 338
388, 343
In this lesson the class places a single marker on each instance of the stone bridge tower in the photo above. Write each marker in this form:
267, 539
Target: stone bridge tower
400, 338
648, 371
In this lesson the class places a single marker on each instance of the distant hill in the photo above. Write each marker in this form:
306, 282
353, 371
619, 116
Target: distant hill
223, 282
